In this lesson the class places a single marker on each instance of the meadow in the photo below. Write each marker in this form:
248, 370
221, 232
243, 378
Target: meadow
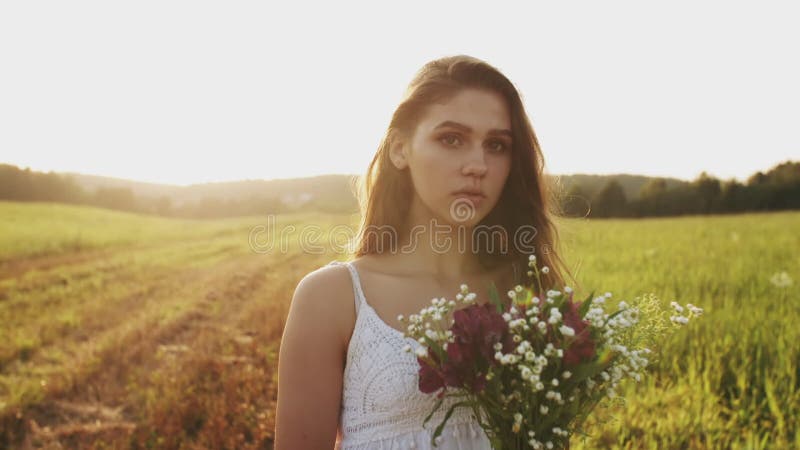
120, 330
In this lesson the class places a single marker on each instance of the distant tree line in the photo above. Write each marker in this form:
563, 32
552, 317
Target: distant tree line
777, 189
25, 185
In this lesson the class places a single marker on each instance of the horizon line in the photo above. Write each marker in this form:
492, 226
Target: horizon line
239, 180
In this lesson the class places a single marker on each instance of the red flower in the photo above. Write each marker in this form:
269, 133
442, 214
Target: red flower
476, 329
582, 347
430, 379
479, 328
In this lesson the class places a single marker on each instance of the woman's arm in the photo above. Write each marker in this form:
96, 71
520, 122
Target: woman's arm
311, 363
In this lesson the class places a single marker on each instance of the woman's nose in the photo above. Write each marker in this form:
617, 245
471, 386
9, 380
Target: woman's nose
475, 163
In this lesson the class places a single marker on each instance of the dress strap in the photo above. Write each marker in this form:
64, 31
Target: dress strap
357, 292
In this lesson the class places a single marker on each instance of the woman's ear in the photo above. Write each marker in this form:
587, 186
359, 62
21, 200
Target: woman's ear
398, 155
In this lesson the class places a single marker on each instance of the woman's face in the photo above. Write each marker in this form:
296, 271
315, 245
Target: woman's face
464, 143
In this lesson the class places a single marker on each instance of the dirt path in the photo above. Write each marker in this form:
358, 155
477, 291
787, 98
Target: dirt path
96, 404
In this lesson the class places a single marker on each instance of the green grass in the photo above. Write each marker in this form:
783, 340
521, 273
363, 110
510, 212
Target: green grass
92, 294
730, 379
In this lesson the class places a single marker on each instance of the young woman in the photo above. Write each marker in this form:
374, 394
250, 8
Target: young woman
455, 194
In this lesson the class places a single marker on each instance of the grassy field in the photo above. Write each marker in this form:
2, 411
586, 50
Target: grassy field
119, 330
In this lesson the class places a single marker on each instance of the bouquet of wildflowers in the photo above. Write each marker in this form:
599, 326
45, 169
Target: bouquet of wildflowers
533, 371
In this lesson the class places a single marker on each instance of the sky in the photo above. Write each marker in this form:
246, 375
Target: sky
194, 91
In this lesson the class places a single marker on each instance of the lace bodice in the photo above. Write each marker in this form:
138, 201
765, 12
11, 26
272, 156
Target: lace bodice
382, 407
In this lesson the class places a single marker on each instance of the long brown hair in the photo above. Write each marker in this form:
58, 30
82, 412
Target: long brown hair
385, 193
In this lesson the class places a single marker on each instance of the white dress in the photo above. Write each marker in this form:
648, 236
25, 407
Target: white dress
382, 407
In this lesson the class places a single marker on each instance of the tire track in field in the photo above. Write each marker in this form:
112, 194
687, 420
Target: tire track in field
85, 351
227, 288
91, 302
18, 267
255, 331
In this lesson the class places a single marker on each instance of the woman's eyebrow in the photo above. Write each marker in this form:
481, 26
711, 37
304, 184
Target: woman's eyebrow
466, 129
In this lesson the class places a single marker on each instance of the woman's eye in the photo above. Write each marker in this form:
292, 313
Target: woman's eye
450, 140
498, 146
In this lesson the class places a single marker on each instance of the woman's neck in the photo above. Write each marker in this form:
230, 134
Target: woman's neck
441, 251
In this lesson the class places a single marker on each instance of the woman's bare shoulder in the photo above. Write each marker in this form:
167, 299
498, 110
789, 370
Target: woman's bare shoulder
312, 360
326, 295
326, 275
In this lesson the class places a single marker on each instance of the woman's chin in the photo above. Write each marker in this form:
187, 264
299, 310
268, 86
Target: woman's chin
467, 223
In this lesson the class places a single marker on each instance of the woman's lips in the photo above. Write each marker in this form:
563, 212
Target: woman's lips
476, 199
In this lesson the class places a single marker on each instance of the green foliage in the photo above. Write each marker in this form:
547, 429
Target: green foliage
609, 201
636, 196
322, 194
